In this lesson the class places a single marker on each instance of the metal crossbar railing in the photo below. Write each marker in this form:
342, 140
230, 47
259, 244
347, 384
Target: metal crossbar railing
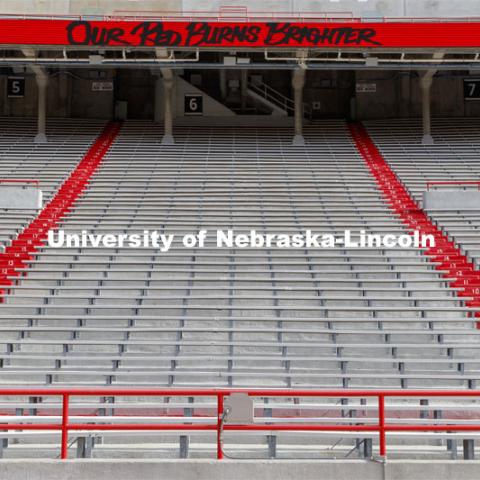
16, 181
381, 426
278, 98
457, 182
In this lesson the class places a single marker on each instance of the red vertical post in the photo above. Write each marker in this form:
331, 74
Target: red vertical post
381, 425
64, 449
219, 425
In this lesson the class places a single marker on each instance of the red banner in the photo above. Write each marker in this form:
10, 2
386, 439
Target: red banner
241, 34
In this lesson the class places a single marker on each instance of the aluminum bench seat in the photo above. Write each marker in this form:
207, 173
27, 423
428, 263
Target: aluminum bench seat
325, 318
50, 164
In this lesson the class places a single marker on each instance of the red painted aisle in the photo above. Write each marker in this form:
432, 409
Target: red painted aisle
452, 260
35, 234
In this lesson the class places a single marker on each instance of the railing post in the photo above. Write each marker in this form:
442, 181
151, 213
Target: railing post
381, 425
272, 446
468, 449
219, 425
64, 448
424, 413
452, 447
85, 446
184, 444
367, 448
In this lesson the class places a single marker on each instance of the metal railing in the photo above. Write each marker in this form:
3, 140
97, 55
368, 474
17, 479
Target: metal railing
277, 98
453, 182
218, 424
17, 181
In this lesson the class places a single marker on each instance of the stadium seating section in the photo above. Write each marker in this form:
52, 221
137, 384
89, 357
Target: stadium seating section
233, 317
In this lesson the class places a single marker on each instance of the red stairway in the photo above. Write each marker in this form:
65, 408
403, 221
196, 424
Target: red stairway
35, 234
455, 264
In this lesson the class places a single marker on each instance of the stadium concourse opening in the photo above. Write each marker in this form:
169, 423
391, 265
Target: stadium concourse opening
258, 242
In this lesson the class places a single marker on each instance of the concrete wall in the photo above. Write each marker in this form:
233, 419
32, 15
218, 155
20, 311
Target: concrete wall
85, 103
238, 470
385, 102
20, 198
422, 8
332, 89
68, 95
397, 94
57, 98
451, 199
211, 107
137, 88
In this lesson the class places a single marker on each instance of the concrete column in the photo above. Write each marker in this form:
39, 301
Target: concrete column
298, 81
425, 84
158, 100
6, 103
404, 95
42, 83
243, 88
223, 83
64, 93
168, 83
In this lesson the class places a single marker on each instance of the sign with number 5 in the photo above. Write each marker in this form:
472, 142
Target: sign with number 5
16, 87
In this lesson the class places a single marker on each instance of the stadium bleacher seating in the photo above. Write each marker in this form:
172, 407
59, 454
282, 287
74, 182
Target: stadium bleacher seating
202, 302
453, 158
50, 163
364, 318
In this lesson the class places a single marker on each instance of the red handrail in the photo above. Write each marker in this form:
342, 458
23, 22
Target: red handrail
14, 180
454, 182
381, 427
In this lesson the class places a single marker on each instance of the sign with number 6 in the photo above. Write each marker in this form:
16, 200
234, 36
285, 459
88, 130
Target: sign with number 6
193, 104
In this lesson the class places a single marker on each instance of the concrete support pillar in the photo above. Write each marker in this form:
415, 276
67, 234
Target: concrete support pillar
158, 100
243, 88
425, 85
168, 84
42, 83
65, 93
6, 103
223, 83
404, 95
298, 81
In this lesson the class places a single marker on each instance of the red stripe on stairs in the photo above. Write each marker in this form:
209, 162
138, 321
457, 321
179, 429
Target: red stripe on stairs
35, 234
452, 260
